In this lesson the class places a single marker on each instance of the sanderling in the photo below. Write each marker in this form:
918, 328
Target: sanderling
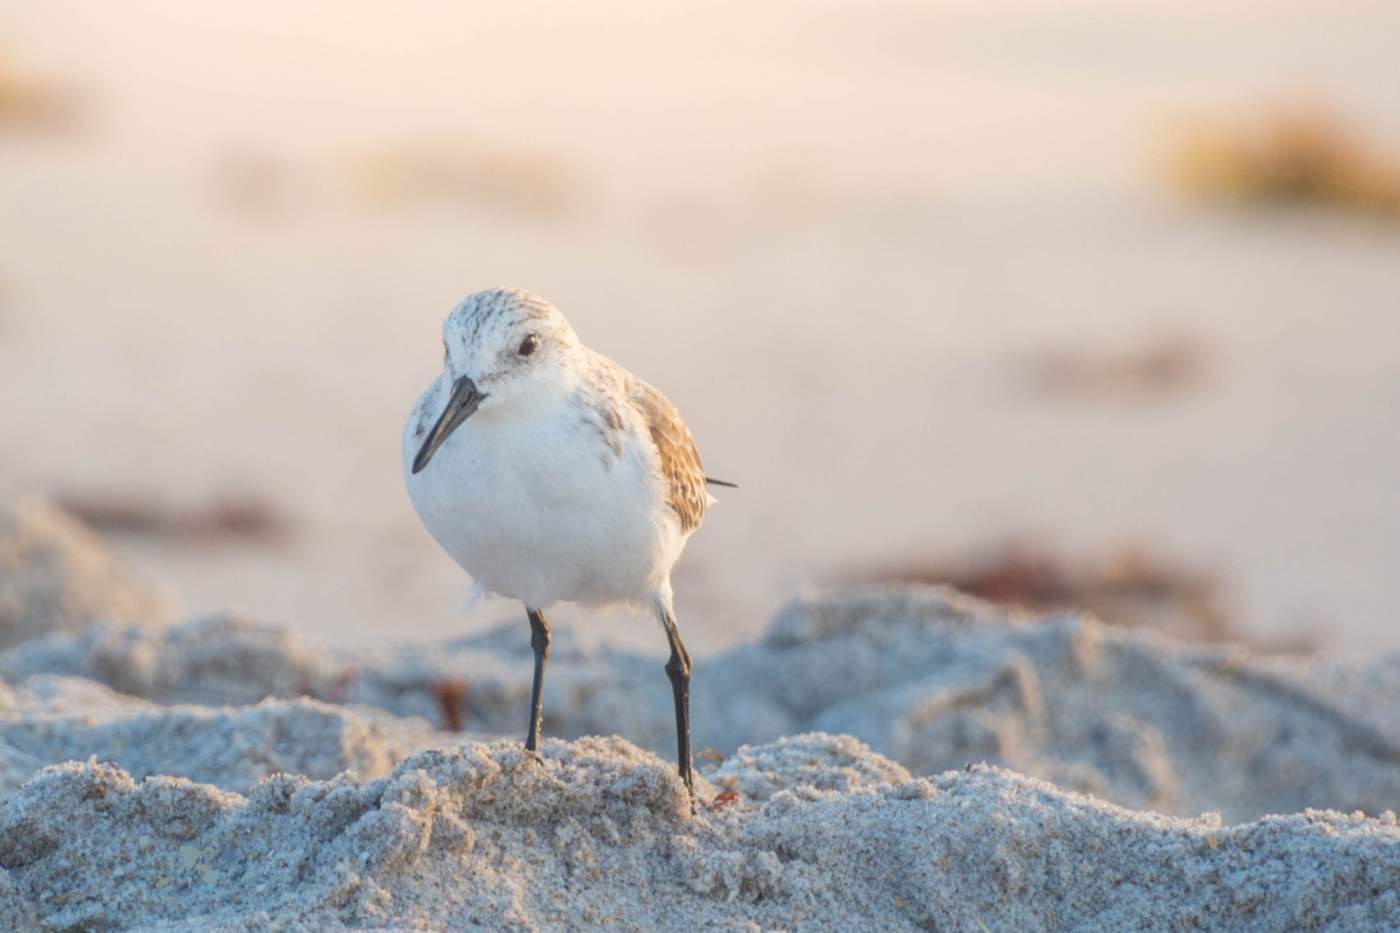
549, 473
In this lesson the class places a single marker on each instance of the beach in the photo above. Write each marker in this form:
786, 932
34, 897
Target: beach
901, 757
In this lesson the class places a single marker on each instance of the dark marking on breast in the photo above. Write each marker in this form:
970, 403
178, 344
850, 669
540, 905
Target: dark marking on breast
602, 418
425, 417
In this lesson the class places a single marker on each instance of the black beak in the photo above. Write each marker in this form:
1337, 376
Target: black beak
463, 402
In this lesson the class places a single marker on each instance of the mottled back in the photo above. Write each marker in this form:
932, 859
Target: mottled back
680, 461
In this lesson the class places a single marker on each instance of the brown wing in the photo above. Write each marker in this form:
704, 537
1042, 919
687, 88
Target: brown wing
680, 461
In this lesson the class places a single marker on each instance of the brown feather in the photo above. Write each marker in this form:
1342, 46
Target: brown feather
680, 461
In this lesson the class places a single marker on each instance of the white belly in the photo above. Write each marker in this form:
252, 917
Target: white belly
536, 508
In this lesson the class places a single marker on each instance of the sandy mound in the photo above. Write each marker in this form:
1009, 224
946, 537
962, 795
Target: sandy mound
211, 659
930, 679
231, 747
596, 832
54, 575
327, 797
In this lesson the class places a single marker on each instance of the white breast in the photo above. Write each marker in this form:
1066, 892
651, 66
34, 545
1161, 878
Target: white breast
535, 505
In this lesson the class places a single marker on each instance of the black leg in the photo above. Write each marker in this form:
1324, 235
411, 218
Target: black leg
678, 669
539, 641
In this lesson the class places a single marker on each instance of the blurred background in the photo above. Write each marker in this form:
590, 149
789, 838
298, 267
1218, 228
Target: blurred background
1091, 303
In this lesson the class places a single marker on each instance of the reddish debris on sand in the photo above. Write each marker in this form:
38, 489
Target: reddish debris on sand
449, 695
1128, 585
338, 691
225, 518
724, 800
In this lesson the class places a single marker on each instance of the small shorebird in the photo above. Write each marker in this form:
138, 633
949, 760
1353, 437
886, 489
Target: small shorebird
549, 473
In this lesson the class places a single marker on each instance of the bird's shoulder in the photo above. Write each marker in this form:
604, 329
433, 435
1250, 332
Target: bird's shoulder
677, 455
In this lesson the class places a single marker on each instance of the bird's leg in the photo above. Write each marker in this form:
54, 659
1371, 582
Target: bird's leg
678, 669
539, 641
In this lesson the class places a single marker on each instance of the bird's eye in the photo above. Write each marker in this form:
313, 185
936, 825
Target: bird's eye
528, 345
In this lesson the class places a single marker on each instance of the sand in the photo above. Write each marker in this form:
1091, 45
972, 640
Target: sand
55, 576
924, 676
598, 832
881, 758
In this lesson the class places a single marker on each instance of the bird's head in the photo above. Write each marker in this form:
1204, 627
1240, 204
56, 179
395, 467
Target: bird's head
499, 346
